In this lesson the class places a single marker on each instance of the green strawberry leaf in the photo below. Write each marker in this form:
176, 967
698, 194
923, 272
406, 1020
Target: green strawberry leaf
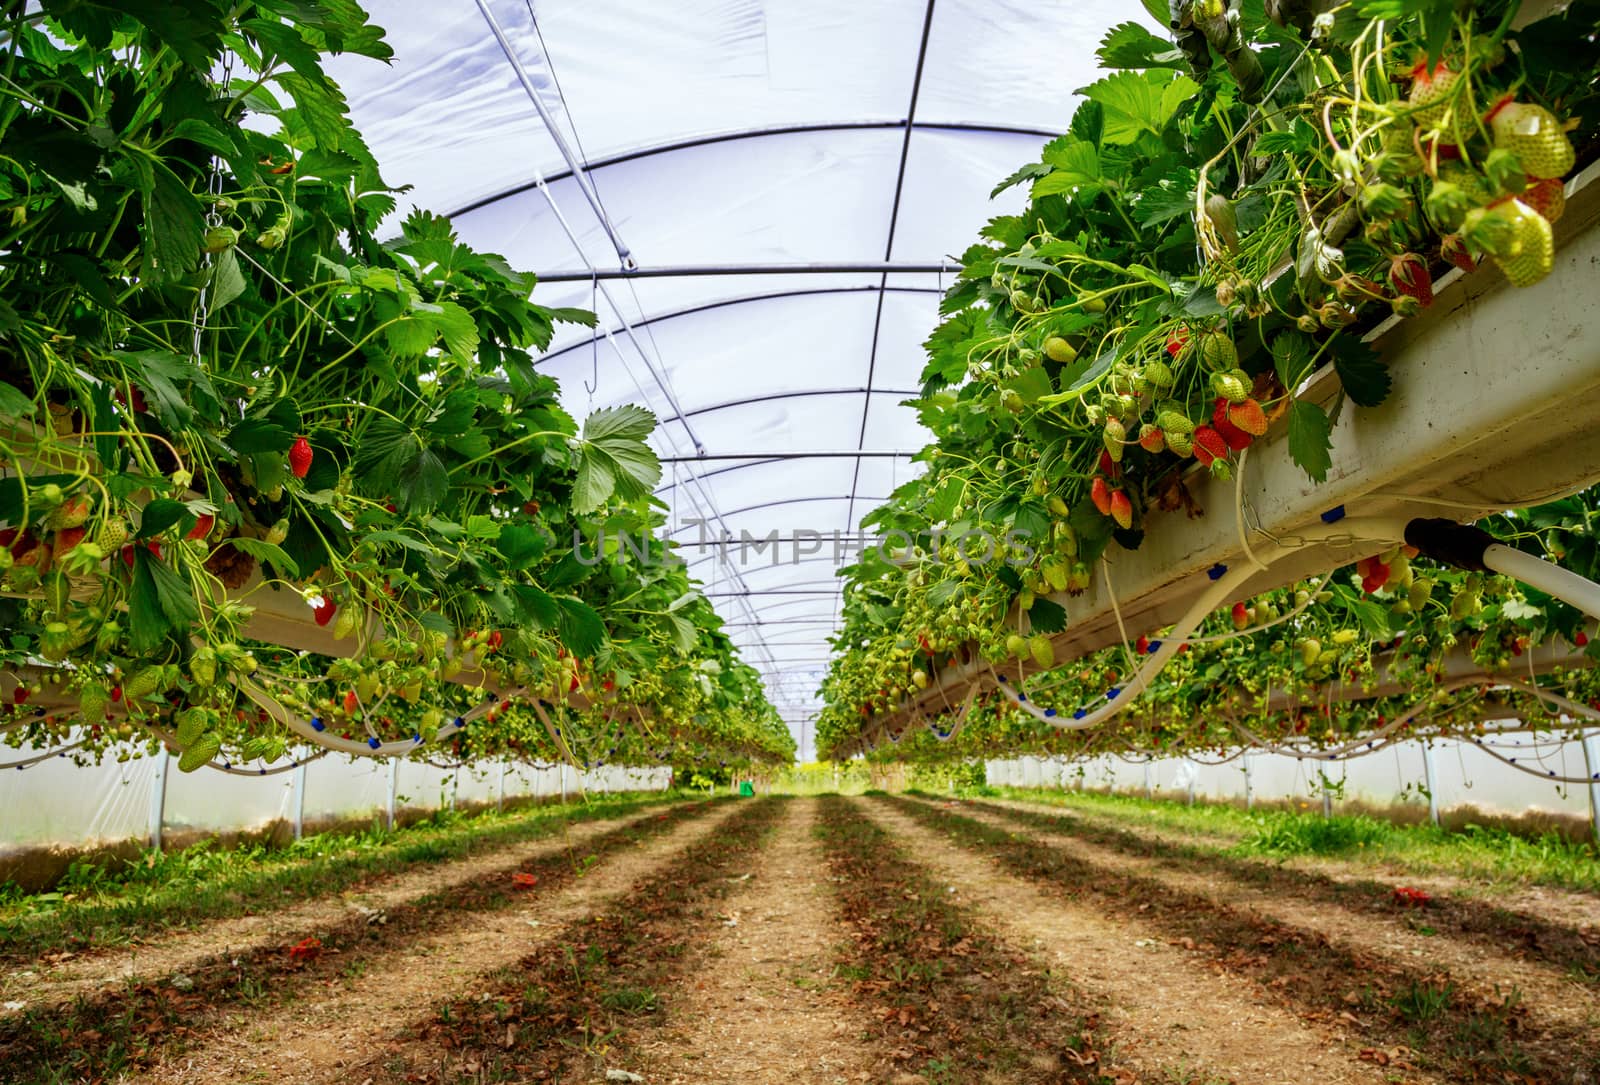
1047, 617
613, 459
1364, 376
1310, 439
579, 626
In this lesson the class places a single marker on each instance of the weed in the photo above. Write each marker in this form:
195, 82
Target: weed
1422, 1001
1306, 834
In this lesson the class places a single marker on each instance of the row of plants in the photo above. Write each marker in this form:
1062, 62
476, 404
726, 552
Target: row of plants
1202, 241
247, 410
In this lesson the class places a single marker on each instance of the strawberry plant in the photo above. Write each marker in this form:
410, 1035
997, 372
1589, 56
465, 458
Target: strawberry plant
240, 415
1203, 239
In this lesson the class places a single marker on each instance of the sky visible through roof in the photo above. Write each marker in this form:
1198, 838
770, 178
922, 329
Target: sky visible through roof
761, 232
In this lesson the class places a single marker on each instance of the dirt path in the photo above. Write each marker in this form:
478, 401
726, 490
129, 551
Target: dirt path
1548, 991
1571, 908
1168, 1014
318, 1036
764, 1005
79, 976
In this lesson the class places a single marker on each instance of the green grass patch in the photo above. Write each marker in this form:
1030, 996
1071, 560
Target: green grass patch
1495, 856
95, 906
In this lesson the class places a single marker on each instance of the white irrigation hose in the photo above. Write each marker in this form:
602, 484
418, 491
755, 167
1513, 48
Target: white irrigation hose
1548, 577
1375, 529
314, 731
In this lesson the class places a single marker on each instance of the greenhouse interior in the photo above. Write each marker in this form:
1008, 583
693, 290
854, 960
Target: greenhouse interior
938, 541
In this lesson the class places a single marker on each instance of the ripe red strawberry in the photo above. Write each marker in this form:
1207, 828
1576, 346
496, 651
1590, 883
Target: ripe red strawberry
1241, 615
1100, 494
67, 538
1374, 574
1455, 250
1151, 438
19, 695
1237, 439
1409, 274
1209, 445
1548, 197
325, 610
1121, 509
202, 526
494, 639
1109, 467
1177, 342
1581, 639
1249, 417
1142, 645
351, 701
300, 457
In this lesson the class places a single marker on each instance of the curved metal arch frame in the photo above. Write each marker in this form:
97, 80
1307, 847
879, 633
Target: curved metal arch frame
753, 461
620, 158
743, 299
778, 504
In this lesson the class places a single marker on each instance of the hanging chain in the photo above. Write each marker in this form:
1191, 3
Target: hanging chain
202, 308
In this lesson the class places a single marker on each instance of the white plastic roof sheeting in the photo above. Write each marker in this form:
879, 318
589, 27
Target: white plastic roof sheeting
756, 137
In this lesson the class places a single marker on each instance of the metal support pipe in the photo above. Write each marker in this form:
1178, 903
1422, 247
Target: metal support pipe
500, 797
578, 173
1430, 781
1194, 775
1149, 792
394, 789
158, 798
1591, 764
299, 800
1249, 783
683, 271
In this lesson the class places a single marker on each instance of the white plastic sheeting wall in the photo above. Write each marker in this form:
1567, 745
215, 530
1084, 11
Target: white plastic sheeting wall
59, 803
1463, 774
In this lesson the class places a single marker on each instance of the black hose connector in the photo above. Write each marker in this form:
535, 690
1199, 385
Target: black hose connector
1450, 543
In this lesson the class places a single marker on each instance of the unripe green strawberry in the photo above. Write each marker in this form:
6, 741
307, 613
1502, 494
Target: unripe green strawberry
219, 238
278, 532
1022, 301
1159, 374
111, 534
203, 666
1534, 135
1055, 574
1536, 251
198, 755
1310, 650
1078, 580
143, 683
1066, 540
1011, 401
1114, 437
1026, 598
1429, 87
1181, 443
1043, 652
192, 723
1174, 421
1228, 385
55, 640
1016, 645
366, 686
344, 623
1056, 506
1059, 350
93, 700
1217, 352
1421, 591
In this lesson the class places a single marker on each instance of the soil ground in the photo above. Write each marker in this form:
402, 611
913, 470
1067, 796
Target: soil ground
771, 970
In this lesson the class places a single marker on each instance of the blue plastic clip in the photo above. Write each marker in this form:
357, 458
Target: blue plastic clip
1217, 571
1155, 646
1333, 515
317, 724
374, 743
1079, 714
